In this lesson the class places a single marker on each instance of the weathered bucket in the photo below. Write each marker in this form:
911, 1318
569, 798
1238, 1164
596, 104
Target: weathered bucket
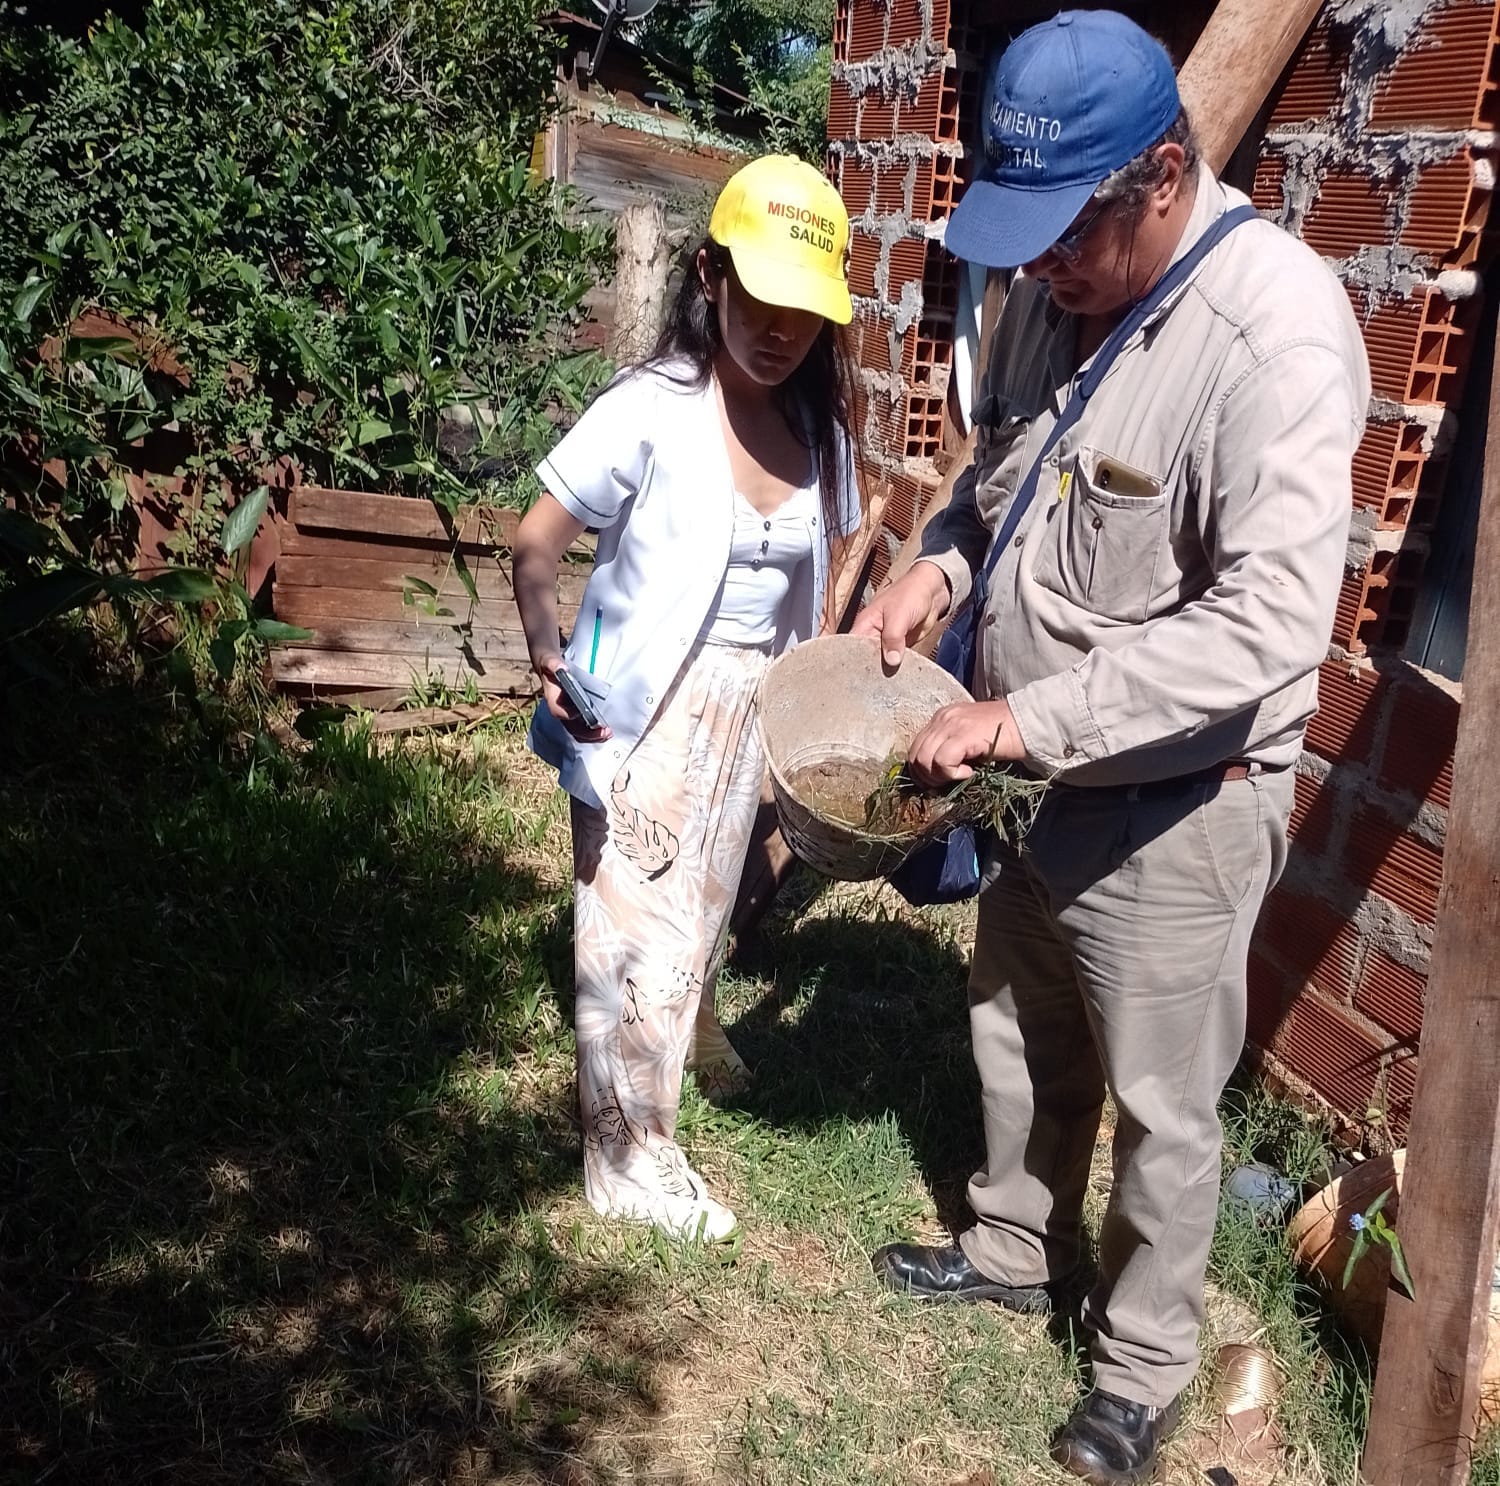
831, 699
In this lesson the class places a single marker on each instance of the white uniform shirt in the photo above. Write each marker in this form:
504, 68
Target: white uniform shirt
646, 466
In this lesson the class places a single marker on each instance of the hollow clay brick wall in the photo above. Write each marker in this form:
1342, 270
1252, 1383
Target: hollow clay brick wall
1379, 151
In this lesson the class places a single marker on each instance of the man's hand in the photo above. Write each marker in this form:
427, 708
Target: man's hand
547, 666
962, 735
900, 615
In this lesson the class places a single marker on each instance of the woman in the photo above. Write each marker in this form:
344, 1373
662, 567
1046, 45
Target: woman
718, 475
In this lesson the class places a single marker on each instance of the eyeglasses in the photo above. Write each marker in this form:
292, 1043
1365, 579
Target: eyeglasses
1069, 247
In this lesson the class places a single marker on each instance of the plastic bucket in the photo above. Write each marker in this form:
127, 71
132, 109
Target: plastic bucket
832, 700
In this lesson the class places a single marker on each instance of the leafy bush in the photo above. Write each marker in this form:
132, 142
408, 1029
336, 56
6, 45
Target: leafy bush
777, 52
322, 211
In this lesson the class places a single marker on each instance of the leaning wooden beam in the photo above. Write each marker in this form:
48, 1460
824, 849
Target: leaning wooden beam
1234, 65
856, 556
1432, 1349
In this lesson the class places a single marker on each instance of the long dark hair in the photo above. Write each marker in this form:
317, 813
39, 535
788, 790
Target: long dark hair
816, 400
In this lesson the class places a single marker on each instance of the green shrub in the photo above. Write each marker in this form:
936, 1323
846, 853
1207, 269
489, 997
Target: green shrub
324, 208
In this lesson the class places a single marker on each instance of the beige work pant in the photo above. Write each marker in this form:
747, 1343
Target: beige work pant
1111, 955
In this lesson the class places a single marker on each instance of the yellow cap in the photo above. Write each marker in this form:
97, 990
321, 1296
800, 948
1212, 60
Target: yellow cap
788, 233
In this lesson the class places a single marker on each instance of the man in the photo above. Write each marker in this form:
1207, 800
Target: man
1149, 640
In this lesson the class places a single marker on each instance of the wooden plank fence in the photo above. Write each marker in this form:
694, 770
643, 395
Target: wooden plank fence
356, 569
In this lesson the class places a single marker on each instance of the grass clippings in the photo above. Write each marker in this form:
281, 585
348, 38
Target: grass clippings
884, 802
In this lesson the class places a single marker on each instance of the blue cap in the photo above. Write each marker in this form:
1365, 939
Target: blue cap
1065, 106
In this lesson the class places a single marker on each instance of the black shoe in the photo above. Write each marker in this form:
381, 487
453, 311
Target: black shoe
1113, 1442
946, 1274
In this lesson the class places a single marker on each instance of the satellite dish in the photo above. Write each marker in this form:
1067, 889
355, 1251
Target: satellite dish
616, 11
628, 10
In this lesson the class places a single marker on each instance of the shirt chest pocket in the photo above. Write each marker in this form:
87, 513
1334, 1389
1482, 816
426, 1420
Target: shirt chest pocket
1003, 429
1105, 538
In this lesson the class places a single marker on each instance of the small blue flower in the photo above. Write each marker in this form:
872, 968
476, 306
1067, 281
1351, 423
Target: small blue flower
1357, 1222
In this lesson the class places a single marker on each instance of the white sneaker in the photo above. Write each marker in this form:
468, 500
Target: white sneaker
664, 1190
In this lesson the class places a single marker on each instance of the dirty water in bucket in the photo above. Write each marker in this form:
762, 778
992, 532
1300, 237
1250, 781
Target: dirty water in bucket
871, 794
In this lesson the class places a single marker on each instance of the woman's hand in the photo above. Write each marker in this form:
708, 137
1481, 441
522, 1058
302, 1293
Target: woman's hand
906, 611
545, 533
962, 735
547, 666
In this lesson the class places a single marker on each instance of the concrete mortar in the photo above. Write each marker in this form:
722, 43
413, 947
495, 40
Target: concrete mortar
894, 70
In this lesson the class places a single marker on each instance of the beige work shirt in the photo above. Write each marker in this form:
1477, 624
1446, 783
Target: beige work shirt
1171, 591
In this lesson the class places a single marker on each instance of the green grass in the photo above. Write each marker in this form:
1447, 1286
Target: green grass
291, 1178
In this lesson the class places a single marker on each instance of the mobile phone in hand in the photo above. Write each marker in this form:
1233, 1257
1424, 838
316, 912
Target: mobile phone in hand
580, 700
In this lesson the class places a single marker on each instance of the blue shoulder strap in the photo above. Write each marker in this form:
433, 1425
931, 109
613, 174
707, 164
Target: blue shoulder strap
1089, 382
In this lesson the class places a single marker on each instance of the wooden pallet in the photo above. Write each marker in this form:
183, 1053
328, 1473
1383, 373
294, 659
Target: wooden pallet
356, 569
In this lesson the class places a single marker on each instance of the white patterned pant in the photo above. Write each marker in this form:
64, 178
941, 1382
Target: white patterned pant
655, 878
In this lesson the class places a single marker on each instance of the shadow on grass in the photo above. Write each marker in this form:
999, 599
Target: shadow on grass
884, 1028
267, 1176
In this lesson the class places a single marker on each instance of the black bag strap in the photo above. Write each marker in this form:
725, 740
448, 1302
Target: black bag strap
1089, 382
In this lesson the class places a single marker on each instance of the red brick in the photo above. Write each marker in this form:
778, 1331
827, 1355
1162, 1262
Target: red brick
906, 265
866, 30
1331, 1052
1417, 347
864, 254
1348, 709
1351, 613
950, 174
940, 283
1268, 990
1447, 211
1311, 937
843, 110
1400, 1094
1392, 994
1312, 814
1314, 83
918, 114
856, 186
1440, 78
1388, 468
889, 435
872, 346
1351, 211
877, 117
1265, 192
1418, 757
924, 426
908, 24
1404, 870
900, 513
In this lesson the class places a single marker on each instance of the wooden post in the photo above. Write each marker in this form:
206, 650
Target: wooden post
1432, 1349
1235, 64
642, 257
